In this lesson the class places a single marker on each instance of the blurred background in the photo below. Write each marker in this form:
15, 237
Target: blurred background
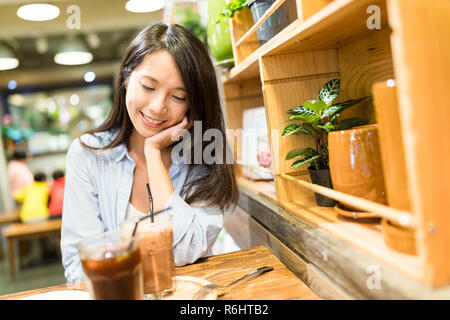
57, 67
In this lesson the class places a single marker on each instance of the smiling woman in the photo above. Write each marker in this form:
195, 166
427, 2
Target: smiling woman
166, 82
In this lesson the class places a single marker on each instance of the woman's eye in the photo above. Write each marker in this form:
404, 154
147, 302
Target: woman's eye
147, 88
179, 98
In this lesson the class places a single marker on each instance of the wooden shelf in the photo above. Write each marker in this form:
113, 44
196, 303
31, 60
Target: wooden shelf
333, 40
403, 218
339, 23
366, 236
263, 188
323, 30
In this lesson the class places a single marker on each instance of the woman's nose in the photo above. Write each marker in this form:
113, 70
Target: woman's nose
158, 104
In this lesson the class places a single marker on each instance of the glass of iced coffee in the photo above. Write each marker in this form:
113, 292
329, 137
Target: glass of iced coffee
156, 241
112, 265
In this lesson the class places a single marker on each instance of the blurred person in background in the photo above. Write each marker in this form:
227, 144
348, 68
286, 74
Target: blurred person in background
19, 175
34, 199
55, 205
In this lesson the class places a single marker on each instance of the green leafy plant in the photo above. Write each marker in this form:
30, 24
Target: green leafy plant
191, 21
231, 8
319, 117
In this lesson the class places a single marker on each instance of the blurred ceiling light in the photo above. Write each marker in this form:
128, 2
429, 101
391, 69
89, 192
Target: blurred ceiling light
38, 12
73, 52
144, 5
93, 40
12, 84
74, 99
41, 45
89, 76
7, 58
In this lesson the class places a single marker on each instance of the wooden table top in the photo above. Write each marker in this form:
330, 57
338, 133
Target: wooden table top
278, 284
10, 216
18, 229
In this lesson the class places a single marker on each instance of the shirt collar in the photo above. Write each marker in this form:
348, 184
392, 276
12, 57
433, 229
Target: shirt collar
120, 152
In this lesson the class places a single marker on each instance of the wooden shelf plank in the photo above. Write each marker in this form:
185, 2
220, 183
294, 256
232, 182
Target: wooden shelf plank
261, 20
264, 188
366, 236
339, 23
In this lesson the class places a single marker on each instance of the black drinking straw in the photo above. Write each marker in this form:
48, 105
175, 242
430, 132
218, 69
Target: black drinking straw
150, 201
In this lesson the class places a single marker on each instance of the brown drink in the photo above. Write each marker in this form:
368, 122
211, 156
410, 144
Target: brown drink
156, 240
113, 271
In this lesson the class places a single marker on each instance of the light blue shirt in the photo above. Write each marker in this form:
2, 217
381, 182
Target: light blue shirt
97, 192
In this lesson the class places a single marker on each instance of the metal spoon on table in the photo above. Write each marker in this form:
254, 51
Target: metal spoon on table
207, 288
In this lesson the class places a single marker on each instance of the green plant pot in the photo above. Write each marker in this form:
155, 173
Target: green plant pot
218, 34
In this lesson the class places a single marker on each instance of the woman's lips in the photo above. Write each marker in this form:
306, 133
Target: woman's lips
150, 124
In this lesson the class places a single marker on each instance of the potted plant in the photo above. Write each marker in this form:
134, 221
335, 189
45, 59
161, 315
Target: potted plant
273, 24
318, 118
219, 36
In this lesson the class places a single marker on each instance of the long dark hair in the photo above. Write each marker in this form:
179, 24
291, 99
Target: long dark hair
219, 186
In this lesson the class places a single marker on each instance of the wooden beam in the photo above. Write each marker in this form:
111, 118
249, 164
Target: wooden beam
421, 54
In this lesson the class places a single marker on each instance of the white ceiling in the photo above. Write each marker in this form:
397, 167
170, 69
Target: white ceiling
96, 16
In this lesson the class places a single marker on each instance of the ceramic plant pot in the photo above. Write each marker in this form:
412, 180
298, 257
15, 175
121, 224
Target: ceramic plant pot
274, 24
218, 34
399, 238
393, 157
322, 178
355, 164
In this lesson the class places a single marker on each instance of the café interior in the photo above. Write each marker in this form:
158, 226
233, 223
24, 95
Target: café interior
376, 228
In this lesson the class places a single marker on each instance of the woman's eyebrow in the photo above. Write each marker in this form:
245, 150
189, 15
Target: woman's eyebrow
156, 81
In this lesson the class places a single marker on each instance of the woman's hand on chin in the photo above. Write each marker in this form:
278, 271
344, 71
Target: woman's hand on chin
163, 139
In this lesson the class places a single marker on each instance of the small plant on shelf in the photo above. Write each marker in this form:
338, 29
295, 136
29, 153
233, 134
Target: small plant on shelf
232, 7
318, 118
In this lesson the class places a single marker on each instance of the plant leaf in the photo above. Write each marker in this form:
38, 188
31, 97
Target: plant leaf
330, 91
303, 113
296, 129
328, 127
305, 160
315, 105
300, 152
339, 107
352, 122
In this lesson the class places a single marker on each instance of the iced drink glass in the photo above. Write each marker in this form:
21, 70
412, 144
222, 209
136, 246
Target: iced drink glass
113, 269
156, 241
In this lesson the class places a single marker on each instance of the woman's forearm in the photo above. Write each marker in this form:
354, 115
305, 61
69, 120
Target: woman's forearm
158, 177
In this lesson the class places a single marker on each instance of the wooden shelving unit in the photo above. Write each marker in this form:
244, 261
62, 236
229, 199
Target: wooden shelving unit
328, 39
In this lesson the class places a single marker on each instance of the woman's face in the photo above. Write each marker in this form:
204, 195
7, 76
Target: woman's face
155, 94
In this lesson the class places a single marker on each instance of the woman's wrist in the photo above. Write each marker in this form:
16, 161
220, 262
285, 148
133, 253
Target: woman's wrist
151, 151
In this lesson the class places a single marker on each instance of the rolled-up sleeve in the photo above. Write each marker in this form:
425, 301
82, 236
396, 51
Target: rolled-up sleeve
81, 215
195, 229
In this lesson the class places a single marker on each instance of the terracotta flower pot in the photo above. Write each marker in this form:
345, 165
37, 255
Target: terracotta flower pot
393, 156
399, 238
355, 164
